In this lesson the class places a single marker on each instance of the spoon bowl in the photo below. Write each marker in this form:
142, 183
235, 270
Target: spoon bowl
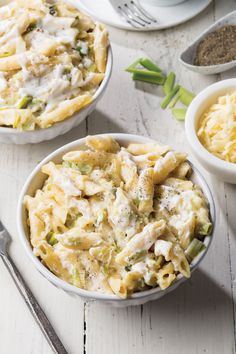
188, 55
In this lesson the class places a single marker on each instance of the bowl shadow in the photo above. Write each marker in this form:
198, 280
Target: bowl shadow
187, 320
225, 194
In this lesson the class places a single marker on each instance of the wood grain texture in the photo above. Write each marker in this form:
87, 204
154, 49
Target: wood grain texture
199, 317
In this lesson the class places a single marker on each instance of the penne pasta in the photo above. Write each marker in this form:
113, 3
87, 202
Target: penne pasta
101, 223
52, 58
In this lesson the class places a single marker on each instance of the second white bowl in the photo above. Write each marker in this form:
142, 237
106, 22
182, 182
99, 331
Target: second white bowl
223, 170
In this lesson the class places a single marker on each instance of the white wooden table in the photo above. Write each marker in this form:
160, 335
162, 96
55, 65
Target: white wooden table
199, 317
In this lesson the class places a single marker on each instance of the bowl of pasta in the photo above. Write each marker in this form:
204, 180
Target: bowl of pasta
117, 218
55, 64
210, 129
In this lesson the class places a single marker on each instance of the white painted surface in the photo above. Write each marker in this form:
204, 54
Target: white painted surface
199, 316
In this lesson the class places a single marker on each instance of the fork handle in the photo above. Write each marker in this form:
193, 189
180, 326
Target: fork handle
34, 307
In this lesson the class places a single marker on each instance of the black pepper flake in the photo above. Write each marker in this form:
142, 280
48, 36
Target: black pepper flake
217, 47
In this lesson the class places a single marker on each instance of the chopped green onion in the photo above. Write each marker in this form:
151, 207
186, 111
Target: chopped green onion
205, 229
186, 96
151, 77
82, 167
24, 102
102, 215
148, 64
66, 70
179, 113
51, 239
169, 83
174, 100
16, 121
28, 125
133, 65
138, 256
72, 217
76, 278
169, 97
79, 49
195, 248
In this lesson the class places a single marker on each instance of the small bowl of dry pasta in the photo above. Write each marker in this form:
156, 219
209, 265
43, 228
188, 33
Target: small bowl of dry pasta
210, 127
116, 218
55, 64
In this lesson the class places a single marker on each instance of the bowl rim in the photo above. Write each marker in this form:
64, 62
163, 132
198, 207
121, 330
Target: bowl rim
95, 97
191, 118
93, 294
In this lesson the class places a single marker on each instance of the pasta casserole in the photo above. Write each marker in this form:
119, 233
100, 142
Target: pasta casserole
52, 60
118, 219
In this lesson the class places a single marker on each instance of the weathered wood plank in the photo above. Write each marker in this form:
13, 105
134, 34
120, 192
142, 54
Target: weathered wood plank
198, 317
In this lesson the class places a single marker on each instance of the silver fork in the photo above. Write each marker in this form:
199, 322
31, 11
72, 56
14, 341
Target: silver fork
27, 295
133, 13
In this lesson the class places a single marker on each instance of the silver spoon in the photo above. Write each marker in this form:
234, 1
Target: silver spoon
27, 295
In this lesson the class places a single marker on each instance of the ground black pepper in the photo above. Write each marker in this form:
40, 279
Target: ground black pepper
217, 47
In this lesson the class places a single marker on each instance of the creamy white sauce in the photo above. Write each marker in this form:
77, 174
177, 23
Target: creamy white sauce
66, 184
83, 47
122, 215
60, 28
53, 24
6, 25
140, 267
87, 62
48, 87
20, 45
6, 10
162, 248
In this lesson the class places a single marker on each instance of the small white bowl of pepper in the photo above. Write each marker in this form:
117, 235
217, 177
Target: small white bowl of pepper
214, 51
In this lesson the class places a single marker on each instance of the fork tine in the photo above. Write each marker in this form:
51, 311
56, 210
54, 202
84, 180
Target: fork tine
129, 18
133, 12
139, 8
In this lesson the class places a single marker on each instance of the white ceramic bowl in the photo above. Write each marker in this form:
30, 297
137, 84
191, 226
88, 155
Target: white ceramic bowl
188, 55
35, 181
10, 135
223, 170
